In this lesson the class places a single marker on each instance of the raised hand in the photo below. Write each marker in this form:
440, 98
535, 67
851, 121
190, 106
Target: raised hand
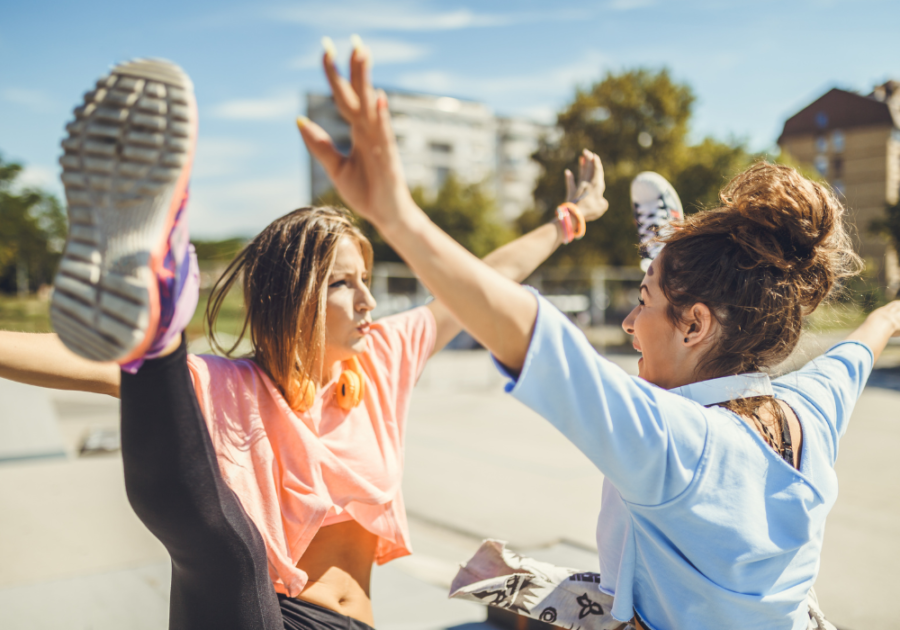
370, 179
588, 192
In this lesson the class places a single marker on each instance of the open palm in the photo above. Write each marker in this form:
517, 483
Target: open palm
370, 179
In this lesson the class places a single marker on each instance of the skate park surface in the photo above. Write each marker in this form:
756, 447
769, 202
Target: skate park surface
478, 465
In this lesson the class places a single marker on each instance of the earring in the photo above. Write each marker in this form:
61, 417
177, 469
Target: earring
685, 340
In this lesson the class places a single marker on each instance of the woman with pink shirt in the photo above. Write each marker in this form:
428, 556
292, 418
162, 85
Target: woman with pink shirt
279, 469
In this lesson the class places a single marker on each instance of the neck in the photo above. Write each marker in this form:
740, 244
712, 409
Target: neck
330, 373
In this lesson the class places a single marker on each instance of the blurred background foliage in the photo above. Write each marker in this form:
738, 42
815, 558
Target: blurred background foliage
635, 120
32, 233
638, 120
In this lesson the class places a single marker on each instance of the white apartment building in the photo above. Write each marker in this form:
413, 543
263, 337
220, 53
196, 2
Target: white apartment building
440, 135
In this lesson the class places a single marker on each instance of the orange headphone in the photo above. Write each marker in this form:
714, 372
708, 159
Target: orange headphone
349, 390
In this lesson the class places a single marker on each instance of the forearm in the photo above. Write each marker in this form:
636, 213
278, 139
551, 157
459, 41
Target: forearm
494, 309
880, 325
42, 360
519, 258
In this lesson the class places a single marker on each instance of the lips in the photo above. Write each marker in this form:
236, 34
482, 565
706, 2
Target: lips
364, 328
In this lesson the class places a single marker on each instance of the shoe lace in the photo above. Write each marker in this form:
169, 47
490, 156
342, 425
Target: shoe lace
650, 219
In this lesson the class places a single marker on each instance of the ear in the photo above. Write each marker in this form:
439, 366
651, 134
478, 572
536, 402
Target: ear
697, 325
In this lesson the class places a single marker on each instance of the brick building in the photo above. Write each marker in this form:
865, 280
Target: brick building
854, 142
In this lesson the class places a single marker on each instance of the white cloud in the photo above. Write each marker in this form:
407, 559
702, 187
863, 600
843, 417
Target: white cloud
510, 88
279, 106
384, 51
629, 5
35, 176
222, 157
244, 207
45, 178
30, 98
396, 16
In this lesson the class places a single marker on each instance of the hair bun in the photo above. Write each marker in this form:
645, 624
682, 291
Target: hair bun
781, 218
782, 221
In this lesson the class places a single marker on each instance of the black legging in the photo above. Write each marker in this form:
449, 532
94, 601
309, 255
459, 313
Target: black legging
220, 577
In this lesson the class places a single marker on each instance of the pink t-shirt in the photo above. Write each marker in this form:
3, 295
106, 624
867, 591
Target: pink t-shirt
290, 469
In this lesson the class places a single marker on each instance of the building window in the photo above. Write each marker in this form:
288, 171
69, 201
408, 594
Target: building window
822, 165
441, 173
837, 168
441, 147
895, 134
821, 120
821, 144
837, 140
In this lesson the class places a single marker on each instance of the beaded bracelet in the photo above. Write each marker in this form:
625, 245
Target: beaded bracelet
571, 221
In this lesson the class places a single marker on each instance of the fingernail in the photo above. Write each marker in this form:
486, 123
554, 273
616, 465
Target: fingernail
356, 41
328, 45
302, 122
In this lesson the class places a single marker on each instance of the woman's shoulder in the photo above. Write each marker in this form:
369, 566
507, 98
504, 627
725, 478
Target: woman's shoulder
220, 368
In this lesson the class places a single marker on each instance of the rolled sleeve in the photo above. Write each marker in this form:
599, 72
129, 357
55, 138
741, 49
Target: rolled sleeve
647, 441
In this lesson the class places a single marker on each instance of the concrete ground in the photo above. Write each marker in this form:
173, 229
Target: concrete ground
479, 464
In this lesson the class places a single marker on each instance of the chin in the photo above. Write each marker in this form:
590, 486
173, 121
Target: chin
360, 346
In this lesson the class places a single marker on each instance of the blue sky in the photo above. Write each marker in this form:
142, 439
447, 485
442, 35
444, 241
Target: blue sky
751, 64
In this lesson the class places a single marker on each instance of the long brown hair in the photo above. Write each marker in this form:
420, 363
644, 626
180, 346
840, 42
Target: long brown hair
284, 271
775, 248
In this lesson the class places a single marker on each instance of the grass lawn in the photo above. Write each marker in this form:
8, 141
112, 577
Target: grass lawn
31, 314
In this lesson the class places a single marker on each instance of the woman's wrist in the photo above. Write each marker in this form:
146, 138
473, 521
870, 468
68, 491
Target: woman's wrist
406, 215
887, 317
571, 222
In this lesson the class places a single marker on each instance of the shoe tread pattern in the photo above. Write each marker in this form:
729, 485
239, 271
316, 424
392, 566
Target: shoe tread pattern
122, 158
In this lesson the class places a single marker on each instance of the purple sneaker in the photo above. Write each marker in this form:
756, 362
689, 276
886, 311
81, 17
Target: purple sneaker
128, 280
655, 205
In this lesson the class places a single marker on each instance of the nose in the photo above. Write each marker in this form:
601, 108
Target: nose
628, 322
365, 300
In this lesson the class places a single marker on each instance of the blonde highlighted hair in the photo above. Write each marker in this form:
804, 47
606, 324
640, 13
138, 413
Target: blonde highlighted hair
284, 271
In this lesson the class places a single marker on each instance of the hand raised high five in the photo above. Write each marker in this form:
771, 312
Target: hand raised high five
370, 179
495, 310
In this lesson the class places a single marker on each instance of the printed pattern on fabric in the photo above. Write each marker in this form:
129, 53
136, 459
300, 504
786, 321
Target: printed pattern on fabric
565, 598
290, 469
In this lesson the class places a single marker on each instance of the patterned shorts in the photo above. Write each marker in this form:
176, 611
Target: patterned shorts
498, 577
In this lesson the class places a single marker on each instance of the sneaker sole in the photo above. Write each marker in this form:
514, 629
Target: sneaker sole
126, 164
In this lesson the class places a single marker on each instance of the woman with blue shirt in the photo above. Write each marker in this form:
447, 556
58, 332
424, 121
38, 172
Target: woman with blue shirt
718, 480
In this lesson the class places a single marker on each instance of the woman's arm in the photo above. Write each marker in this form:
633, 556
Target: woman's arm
882, 324
494, 309
42, 360
518, 259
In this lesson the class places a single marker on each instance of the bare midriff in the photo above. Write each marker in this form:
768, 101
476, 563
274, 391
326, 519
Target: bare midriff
338, 562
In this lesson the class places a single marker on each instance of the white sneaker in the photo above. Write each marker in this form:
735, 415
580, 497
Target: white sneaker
655, 204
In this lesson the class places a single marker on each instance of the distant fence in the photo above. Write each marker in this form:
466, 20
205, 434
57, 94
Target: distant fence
594, 296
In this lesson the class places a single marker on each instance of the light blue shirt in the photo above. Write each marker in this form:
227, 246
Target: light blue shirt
702, 524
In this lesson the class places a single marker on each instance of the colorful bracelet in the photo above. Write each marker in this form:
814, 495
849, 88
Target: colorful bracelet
571, 221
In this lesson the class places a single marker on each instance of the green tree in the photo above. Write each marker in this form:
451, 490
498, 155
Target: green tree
467, 212
32, 231
637, 120
218, 251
